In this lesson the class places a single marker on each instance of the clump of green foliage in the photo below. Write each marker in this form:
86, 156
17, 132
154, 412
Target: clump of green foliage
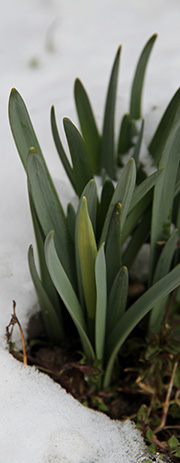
93, 153
85, 256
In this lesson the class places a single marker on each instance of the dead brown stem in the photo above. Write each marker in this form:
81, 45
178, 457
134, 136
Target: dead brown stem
14, 320
167, 399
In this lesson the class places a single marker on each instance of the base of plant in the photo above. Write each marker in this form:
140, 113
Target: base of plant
145, 370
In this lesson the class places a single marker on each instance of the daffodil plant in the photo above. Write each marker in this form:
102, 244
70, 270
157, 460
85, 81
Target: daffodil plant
85, 255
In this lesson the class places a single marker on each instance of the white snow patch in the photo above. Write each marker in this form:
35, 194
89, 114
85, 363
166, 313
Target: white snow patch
39, 421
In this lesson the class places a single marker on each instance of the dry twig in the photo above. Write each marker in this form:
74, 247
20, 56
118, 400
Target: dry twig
14, 320
167, 399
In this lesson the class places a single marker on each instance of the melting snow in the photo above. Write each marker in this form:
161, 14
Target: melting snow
45, 45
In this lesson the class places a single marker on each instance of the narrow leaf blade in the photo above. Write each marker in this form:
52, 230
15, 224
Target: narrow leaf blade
81, 168
122, 194
87, 254
90, 192
21, 126
52, 321
101, 304
113, 248
107, 154
50, 212
88, 125
162, 268
137, 86
117, 299
127, 131
106, 196
141, 200
138, 238
60, 149
168, 121
45, 277
164, 195
67, 294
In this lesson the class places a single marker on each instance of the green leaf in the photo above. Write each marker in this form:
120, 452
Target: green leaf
106, 196
164, 195
127, 132
87, 254
60, 149
173, 442
90, 192
107, 154
117, 299
137, 147
137, 86
88, 125
45, 277
113, 247
142, 189
142, 413
177, 454
101, 304
134, 315
162, 268
52, 321
138, 238
71, 220
81, 169
67, 294
122, 194
50, 212
166, 257
140, 202
168, 121
149, 434
21, 127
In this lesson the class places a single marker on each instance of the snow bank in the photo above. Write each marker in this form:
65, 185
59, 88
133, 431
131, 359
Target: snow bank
45, 45
40, 422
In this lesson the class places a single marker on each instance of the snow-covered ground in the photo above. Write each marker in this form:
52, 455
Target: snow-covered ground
44, 46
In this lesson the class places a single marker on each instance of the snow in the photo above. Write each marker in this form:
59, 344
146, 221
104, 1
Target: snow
44, 46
